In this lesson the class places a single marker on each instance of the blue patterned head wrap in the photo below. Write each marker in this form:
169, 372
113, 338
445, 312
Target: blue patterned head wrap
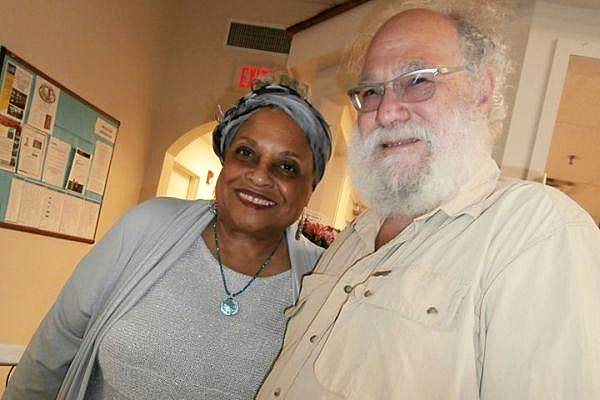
309, 120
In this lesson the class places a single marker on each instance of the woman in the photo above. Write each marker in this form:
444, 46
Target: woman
185, 299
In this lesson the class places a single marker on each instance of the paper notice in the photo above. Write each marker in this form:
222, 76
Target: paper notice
71, 212
10, 138
88, 219
43, 105
15, 91
80, 170
30, 210
99, 171
52, 204
105, 130
14, 200
33, 147
57, 158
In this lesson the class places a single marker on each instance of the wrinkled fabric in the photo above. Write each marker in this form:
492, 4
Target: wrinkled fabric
494, 295
152, 353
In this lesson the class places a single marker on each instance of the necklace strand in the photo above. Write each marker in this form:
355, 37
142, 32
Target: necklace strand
258, 271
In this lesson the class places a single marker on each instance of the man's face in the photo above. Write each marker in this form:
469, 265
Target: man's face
407, 42
420, 152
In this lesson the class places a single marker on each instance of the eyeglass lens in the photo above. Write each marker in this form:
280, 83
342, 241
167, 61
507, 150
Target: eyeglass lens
408, 89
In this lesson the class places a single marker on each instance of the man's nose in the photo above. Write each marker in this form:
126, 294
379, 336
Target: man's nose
259, 175
391, 110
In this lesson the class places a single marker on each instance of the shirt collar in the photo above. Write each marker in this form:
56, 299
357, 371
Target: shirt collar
367, 226
469, 200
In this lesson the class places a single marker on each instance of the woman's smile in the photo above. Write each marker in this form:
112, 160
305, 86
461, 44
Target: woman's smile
254, 200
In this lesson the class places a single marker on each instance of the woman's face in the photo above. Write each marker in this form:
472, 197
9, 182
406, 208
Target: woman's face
267, 175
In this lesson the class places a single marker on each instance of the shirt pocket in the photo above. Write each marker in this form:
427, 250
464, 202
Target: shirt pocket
396, 325
431, 299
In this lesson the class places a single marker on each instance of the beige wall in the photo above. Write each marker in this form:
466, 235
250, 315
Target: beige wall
110, 53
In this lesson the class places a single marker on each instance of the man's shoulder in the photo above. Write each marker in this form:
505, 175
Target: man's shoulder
540, 202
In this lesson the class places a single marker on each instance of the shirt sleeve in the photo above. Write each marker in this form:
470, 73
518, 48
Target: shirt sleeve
44, 363
540, 324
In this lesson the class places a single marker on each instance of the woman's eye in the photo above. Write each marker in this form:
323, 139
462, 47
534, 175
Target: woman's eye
244, 152
288, 169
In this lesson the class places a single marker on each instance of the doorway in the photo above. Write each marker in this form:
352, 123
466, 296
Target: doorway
573, 163
190, 167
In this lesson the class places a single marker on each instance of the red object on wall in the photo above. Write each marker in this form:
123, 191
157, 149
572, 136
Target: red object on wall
249, 73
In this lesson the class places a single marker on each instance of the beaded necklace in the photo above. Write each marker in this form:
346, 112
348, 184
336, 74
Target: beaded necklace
229, 305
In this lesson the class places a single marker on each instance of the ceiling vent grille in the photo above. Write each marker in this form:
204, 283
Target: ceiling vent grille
258, 38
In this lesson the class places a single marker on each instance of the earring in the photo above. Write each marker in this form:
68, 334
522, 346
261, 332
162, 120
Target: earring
301, 222
213, 207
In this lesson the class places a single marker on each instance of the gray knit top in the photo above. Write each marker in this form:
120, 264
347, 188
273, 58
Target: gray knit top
176, 344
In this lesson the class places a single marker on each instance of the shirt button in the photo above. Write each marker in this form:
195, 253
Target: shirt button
313, 338
432, 311
347, 288
367, 293
277, 392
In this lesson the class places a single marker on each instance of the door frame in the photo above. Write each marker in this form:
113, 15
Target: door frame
565, 48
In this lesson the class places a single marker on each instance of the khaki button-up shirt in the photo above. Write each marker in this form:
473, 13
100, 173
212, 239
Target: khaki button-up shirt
494, 295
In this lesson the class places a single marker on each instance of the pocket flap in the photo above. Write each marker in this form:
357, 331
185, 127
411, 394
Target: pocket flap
429, 298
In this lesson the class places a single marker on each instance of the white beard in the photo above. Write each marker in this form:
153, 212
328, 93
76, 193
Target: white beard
455, 152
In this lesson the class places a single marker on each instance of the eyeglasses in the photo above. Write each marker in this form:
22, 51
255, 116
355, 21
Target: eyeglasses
411, 87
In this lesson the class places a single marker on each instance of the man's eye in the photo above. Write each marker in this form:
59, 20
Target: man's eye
417, 80
369, 93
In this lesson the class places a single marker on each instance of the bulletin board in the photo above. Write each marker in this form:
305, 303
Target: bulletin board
55, 154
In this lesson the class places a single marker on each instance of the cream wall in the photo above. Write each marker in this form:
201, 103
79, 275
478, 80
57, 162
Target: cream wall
110, 53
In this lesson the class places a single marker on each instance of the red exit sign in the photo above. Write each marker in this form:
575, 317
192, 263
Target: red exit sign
249, 73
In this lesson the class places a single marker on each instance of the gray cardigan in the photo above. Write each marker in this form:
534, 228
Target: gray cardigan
108, 281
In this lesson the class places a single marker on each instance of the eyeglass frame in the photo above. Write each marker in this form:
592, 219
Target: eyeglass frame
436, 71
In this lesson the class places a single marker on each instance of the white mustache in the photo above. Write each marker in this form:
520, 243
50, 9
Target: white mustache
456, 145
409, 132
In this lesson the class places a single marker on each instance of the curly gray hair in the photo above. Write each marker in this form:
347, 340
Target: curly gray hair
480, 25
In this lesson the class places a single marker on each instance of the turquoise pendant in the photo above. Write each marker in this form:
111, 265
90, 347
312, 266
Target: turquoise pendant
229, 306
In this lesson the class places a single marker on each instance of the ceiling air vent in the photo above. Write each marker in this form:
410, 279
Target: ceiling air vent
258, 38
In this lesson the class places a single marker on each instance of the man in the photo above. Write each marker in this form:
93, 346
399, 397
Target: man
455, 284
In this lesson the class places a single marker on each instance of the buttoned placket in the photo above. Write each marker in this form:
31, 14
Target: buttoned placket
350, 287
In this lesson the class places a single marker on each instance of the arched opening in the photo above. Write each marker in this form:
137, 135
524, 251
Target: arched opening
190, 167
